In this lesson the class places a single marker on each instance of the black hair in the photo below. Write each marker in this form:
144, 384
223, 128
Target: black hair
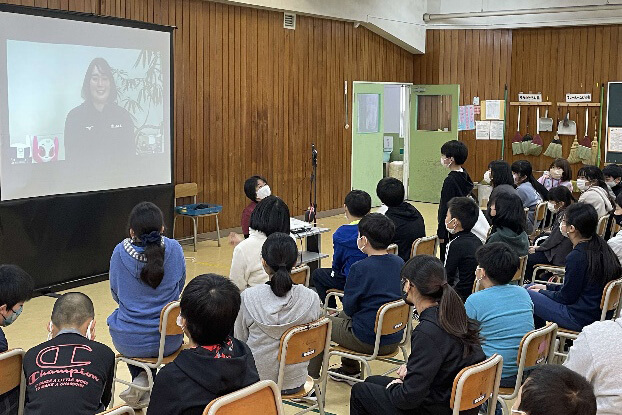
501, 173
565, 166
72, 310
465, 210
592, 173
16, 286
210, 304
523, 168
499, 261
456, 149
613, 170
280, 253
378, 229
104, 68
427, 274
358, 203
146, 220
561, 194
270, 215
390, 191
250, 187
572, 394
603, 264
509, 213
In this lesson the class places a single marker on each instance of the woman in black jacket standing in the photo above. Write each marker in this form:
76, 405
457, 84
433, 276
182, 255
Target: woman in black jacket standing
445, 341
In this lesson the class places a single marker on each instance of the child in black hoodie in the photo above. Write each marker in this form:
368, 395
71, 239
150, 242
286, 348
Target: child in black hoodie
409, 224
216, 364
457, 184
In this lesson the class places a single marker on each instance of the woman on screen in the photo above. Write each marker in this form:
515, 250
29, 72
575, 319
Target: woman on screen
147, 271
99, 125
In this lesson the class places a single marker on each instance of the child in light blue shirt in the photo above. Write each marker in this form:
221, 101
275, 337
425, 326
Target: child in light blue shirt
504, 311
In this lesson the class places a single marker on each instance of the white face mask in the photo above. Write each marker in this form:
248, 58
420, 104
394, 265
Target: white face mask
556, 173
565, 234
610, 183
444, 162
361, 248
180, 321
263, 192
582, 184
50, 328
516, 178
451, 230
552, 208
89, 334
487, 178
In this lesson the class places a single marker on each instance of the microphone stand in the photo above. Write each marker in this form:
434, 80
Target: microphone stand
312, 216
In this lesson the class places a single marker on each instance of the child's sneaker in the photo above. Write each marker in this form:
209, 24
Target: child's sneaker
340, 371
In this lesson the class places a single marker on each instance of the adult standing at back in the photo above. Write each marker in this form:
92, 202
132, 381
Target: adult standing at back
256, 188
409, 224
271, 215
458, 183
147, 271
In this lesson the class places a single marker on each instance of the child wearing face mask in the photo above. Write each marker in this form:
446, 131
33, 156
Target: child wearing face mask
613, 178
458, 183
594, 190
256, 188
615, 242
460, 262
558, 174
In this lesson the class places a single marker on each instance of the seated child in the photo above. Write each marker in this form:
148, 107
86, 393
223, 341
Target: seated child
613, 176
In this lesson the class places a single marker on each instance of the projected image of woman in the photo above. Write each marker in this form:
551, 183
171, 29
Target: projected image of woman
99, 125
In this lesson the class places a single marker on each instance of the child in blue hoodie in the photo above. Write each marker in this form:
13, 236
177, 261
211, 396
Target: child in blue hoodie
345, 251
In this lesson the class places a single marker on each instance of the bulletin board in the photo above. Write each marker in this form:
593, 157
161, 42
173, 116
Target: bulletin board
613, 146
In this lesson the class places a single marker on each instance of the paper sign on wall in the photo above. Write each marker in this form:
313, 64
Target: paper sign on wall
496, 130
482, 130
614, 139
578, 97
493, 109
529, 97
466, 117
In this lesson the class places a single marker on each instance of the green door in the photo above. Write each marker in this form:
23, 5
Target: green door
367, 137
433, 121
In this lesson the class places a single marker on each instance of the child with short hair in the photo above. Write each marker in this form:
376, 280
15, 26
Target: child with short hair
460, 262
458, 183
345, 250
409, 224
558, 174
372, 282
613, 177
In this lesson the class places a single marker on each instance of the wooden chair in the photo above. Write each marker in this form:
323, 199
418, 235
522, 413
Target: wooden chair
557, 271
539, 219
476, 384
262, 398
192, 190
168, 327
424, 246
536, 348
518, 278
392, 249
601, 229
301, 275
120, 410
615, 228
610, 302
390, 318
12, 375
300, 344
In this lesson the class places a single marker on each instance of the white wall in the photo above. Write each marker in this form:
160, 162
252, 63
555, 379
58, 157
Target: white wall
612, 15
400, 21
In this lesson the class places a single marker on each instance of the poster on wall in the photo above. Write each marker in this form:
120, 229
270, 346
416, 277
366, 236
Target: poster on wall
368, 113
482, 130
466, 117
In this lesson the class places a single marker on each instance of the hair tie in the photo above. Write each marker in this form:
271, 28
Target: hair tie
153, 237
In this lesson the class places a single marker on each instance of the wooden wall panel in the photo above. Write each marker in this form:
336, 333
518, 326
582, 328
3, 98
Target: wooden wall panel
251, 97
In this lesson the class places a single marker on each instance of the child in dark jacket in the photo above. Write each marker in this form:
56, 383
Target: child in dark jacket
460, 262
409, 224
458, 183
345, 250
216, 364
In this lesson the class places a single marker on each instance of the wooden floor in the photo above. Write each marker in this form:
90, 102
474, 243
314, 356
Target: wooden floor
31, 328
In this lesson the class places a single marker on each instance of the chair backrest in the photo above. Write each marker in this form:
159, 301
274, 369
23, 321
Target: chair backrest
392, 249
611, 298
262, 397
540, 213
11, 369
537, 346
168, 319
424, 246
601, 229
615, 228
120, 410
303, 342
392, 317
476, 384
301, 275
520, 272
186, 189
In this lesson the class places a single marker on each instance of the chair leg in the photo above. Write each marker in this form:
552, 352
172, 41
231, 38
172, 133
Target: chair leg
114, 377
217, 229
194, 223
320, 398
504, 406
174, 220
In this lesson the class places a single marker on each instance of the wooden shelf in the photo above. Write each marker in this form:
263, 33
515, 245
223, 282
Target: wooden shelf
530, 104
578, 104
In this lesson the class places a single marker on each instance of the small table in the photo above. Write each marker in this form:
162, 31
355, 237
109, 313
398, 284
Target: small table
311, 252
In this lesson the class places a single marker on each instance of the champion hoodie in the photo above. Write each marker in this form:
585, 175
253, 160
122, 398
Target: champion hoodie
263, 319
195, 378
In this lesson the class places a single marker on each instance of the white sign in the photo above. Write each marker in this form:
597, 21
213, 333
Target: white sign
482, 130
614, 139
578, 97
493, 109
529, 97
496, 130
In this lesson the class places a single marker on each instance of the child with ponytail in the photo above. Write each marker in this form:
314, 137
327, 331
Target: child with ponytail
269, 310
445, 340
